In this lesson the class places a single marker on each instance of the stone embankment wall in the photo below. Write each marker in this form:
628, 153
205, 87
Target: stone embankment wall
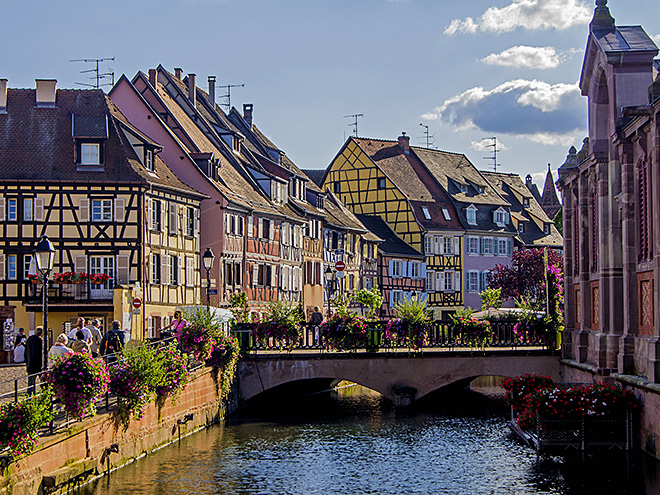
646, 421
95, 445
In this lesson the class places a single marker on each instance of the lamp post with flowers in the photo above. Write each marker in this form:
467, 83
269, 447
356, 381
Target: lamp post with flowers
44, 254
207, 260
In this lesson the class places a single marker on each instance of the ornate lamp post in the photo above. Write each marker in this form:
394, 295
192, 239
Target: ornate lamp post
207, 259
44, 254
329, 275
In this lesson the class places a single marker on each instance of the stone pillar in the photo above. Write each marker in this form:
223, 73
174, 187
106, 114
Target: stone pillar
569, 256
581, 336
653, 145
403, 395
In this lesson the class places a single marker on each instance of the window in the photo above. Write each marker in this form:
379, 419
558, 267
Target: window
546, 229
337, 187
12, 267
28, 266
190, 221
149, 159
102, 264
499, 217
155, 215
488, 245
319, 202
445, 213
471, 214
90, 154
502, 246
396, 268
430, 276
472, 245
174, 270
448, 242
427, 215
381, 183
27, 209
415, 269
154, 268
472, 281
12, 210
526, 202
521, 227
351, 282
449, 281
428, 244
101, 210
397, 297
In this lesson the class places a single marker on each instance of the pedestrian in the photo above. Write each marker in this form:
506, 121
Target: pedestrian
80, 325
177, 324
34, 358
80, 345
97, 336
113, 342
59, 349
20, 337
314, 321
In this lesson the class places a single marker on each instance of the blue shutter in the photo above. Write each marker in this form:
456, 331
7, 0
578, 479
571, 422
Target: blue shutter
509, 246
482, 281
481, 245
391, 299
496, 245
422, 271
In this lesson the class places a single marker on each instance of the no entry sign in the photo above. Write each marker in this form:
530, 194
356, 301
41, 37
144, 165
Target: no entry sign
137, 303
339, 266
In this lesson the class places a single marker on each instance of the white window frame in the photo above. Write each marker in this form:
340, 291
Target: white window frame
426, 212
90, 153
101, 210
502, 242
448, 248
472, 282
397, 297
471, 215
449, 281
547, 228
430, 280
156, 214
415, 269
29, 266
174, 270
521, 227
154, 268
488, 245
397, 268
149, 160
28, 209
472, 245
12, 266
445, 213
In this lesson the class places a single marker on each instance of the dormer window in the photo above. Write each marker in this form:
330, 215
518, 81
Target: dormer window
90, 154
546, 229
149, 159
471, 214
319, 202
501, 217
426, 212
445, 213
526, 202
521, 227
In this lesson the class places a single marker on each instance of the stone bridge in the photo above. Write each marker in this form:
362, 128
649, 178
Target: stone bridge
401, 377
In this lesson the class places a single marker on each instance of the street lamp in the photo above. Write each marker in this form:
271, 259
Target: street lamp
207, 259
44, 254
329, 273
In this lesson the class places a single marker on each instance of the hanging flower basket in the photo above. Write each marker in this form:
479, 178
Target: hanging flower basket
35, 278
98, 278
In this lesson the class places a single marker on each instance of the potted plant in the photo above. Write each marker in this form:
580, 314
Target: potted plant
98, 278
35, 278
473, 331
410, 327
282, 324
372, 299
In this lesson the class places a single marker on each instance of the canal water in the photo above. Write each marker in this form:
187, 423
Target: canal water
354, 442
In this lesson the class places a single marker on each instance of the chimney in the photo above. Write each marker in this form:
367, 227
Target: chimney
152, 77
247, 113
212, 91
178, 72
3, 95
528, 181
404, 142
46, 92
192, 89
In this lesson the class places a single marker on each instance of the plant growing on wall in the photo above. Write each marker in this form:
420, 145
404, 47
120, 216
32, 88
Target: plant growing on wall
199, 335
175, 370
78, 380
223, 359
20, 422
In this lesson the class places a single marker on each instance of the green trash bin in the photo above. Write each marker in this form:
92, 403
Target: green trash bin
374, 339
243, 333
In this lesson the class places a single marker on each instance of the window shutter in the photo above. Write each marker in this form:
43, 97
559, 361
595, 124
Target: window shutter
150, 214
182, 271
240, 220
163, 217
496, 246
83, 210
2, 266
482, 245
440, 281
506, 217
271, 230
164, 271
172, 226
495, 217
122, 269
250, 227
467, 245
39, 209
482, 281
441, 245
390, 270
119, 210
457, 245
260, 228
255, 274
273, 276
80, 263
2, 209
457, 281
422, 271
391, 299
410, 271
196, 220
509, 246
404, 271
190, 272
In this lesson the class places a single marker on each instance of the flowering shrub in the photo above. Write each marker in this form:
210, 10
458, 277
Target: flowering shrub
475, 332
223, 359
282, 324
520, 387
404, 333
532, 328
344, 331
196, 339
175, 370
604, 400
20, 422
135, 381
98, 278
78, 380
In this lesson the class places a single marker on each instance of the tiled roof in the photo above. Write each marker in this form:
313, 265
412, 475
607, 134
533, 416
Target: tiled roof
315, 175
624, 39
392, 243
549, 201
337, 215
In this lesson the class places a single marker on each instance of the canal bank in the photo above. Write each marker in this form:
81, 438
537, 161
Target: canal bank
86, 449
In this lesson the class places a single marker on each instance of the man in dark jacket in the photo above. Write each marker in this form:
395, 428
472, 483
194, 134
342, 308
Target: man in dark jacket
34, 358
112, 342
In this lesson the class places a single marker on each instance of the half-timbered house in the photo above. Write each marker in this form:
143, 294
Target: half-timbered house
73, 168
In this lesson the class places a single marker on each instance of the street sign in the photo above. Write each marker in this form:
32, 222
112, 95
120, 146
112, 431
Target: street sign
341, 274
136, 311
137, 303
212, 291
339, 266
339, 251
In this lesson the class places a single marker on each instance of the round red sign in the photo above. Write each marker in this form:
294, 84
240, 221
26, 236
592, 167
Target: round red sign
339, 266
137, 303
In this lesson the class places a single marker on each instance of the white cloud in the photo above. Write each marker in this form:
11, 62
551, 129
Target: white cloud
486, 144
542, 112
532, 57
527, 14
656, 38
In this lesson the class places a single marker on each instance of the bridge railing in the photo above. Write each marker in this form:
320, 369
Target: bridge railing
440, 334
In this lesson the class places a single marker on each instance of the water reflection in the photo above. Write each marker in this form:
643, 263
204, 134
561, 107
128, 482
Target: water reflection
353, 441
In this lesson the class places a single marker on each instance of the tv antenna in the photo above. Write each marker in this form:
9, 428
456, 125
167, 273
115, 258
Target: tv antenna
495, 152
430, 138
228, 95
354, 124
98, 75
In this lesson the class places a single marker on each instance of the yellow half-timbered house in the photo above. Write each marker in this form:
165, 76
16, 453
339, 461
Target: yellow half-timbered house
73, 168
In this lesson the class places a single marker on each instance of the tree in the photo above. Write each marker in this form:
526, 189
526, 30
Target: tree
525, 277
559, 221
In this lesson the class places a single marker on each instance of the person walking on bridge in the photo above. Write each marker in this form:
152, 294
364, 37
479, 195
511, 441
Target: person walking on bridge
34, 358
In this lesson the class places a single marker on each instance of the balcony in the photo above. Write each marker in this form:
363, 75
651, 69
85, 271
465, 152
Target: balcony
82, 292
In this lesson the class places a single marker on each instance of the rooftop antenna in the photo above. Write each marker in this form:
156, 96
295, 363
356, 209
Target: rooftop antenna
430, 138
354, 124
495, 152
228, 95
98, 75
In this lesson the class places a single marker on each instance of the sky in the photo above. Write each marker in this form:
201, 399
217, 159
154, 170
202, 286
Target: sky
468, 70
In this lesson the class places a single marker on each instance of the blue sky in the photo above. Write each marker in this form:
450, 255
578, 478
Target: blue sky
468, 70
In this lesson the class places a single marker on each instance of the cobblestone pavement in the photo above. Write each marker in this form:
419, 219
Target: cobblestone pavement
8, 373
